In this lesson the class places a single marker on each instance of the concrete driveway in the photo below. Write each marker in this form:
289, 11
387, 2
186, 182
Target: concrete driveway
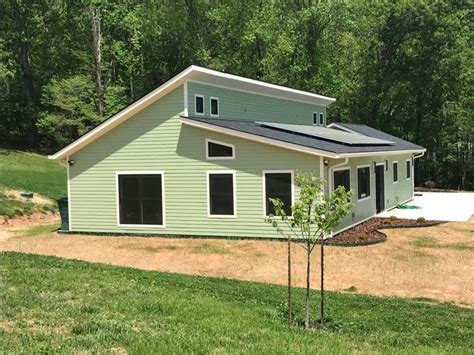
440, 206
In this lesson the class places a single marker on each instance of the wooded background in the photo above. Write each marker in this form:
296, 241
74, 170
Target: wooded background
405, 67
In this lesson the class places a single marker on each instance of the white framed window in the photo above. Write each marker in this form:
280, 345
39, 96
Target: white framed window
363, 182
216, 150
408, 167
140, 198
221, 194
395, 171
278, 184
321, 118
199, 104
315, 118
214, 106
342, 177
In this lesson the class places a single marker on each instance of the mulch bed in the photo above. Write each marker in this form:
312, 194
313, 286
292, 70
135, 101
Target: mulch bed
369, 232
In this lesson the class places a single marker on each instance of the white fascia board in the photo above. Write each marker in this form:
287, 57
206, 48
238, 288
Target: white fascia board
123, 115
255, 138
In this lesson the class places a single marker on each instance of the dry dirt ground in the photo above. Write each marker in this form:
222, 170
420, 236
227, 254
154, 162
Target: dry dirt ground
434, 262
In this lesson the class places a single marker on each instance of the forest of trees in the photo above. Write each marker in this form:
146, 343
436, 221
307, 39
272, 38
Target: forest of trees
403, 66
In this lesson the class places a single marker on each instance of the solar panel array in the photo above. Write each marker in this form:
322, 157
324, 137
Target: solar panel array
329, 134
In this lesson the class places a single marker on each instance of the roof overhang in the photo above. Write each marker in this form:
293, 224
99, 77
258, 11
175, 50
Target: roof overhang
197, 74
290, 146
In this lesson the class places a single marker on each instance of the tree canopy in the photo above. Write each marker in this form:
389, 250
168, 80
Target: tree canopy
403, 66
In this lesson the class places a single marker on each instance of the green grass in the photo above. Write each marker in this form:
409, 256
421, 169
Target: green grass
32, 172
29, 172
37, 230
54, 305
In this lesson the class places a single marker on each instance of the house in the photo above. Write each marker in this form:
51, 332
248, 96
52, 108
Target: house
201, 154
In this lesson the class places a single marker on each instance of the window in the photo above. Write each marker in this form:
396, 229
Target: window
395, 171
408, 169
214, 106
140, 199
221, 194
199, 104
321, 118
386, 165
278, 185
342, 178
217, 150
315, 118
363, 183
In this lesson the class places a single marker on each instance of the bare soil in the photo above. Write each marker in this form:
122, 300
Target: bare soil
434, 262
36, 199
369, 232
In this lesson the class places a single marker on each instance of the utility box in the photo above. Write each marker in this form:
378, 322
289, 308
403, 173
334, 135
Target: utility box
64, 213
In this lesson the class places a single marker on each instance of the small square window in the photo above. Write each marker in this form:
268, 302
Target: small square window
214, 106
199, 104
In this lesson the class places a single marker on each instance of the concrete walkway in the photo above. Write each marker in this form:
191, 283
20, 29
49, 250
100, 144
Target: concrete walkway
440, 206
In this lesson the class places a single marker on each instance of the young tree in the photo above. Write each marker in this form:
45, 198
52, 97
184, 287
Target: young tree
314, 216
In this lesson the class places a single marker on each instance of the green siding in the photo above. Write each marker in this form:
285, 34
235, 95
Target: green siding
154, 139
394, 193
240, 105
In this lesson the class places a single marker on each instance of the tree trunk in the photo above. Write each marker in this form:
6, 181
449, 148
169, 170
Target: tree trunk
289, 281
97, 41
322, 284
308, 286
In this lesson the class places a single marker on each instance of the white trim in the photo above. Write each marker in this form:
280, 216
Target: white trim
321, 114
411, 169
234, 191
163, 200
357, 179
210, 106
395, 181
264, 172
185, 98
203, 105
317, 118
255, 138
341, 169
69, 195
322, 100
220, 143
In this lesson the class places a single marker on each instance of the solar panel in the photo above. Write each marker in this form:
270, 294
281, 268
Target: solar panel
327, 134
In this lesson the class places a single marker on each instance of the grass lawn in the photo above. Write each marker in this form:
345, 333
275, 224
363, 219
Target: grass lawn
52, 304
28, 172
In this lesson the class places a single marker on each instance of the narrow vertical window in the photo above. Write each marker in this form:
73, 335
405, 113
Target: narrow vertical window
221, 194
342, 178
214, 106
321, 118
363, 183
278, 185
315, 118
199, 104
408, 169
395, 171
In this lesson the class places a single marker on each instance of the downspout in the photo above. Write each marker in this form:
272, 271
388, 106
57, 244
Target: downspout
413, 172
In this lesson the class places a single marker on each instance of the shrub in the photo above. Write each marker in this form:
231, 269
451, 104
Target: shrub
362, 235
430, 184
393, 218
421, 220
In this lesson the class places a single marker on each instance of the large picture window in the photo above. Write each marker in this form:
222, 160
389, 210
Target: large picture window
342, 178
140, 199
278, 185
363, 183
221, 194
